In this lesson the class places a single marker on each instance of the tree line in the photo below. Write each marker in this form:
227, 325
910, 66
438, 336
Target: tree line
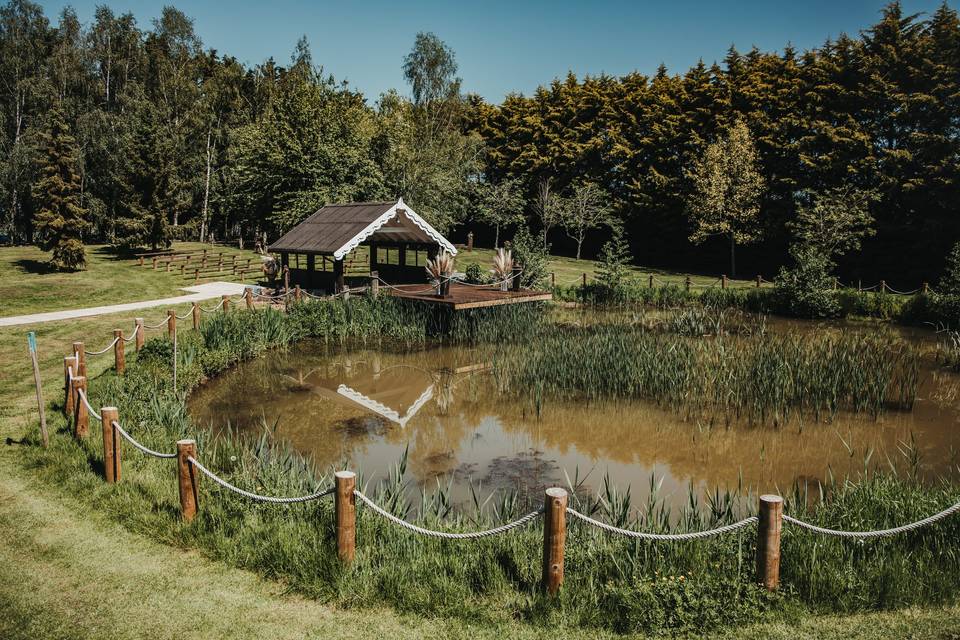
134, 136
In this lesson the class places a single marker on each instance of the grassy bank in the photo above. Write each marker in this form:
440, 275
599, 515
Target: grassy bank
611, 584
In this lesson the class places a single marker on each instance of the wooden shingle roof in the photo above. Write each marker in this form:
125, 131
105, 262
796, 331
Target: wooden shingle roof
337, 229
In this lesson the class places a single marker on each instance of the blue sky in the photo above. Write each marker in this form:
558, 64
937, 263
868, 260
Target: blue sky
505, 47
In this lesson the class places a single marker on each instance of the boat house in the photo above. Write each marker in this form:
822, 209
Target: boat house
320, 252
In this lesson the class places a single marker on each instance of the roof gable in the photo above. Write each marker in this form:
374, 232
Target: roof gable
338, 229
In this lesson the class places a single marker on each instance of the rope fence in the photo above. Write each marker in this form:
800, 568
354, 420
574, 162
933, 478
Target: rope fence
555, 511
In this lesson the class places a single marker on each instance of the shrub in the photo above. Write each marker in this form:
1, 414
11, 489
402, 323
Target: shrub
805, 289
532, 257
475, 274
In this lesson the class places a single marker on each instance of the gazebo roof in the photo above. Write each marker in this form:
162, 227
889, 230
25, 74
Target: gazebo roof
338, 229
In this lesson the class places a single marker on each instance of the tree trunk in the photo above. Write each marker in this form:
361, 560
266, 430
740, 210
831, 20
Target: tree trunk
733, 257
206, 196
579, 244
496, 236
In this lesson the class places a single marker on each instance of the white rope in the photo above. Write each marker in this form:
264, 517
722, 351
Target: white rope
184, 316
158, 325
90, 409
104, 350
148, 451
473, 535
214, 309
255, 496
133, 335
695, 535
902, 293
881, 533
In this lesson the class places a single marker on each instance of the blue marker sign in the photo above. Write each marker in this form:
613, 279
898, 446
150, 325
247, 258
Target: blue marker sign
32, 341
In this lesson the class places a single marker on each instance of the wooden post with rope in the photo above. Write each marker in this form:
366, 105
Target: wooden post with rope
374, 283
759, 281
553, 279
584, 280
925, 287
32, 347
768, 541
111, 444
81, 417
187, 479
723, 281
119, 360
297, 294
226, 303
687, 283
650, 281
195, 312
69, 365
248, 296
554, 538
883, 286
81, 358
345, 507
139, 339
171, 323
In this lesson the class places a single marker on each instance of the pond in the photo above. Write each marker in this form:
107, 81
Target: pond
363, 408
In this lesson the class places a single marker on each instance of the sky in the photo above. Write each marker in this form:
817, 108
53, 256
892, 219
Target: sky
508, 47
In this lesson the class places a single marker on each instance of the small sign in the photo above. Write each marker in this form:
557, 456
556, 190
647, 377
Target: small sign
32, 341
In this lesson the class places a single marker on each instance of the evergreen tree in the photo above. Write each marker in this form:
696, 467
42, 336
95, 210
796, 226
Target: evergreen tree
950, 281
614, 265
60, 220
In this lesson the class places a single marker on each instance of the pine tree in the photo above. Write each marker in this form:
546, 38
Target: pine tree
615, 260
60, 220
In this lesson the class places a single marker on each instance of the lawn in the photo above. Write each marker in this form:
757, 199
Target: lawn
69, 572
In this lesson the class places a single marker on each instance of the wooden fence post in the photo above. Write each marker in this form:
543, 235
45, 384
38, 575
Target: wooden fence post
154, 263
196, 315
759, 281
883, 286
81, 357
32, 348
768, 541
345, 506
925, 287
171, 323
554, 538
297, 293
138, 341
69, 364
650, 281
374, 283
723, 281
119, 359
553, 279
111, 444
226, 303
584, 279
686, 283
187, 479
248, 295
81, 417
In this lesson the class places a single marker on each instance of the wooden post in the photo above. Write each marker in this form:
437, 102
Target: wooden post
32, 347
768, 541
154, 263
138, 341
686, 283
515, 283
759, 281
553, 280
171, 323
69, 364
925, 288
81, 417
883, 286
338, 276
183, 269
248, 295
140, 261
345, 507
196, 315
859, 286
554, 538
650, 281
111, 444
187, 479
119, 361
81, 359
196, 275
584, 279
374, 283
297, 294
226, 303
723, 281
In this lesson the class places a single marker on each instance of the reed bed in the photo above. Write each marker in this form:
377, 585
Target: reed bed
762, 378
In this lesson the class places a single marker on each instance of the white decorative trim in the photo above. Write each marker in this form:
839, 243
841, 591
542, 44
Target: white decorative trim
383, 219
383, 410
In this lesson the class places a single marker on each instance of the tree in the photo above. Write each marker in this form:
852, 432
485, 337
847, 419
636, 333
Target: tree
531, 257
584, 210
615, 261
500, 204
727, 185
60, 220
950, 281
834, 221
549, 208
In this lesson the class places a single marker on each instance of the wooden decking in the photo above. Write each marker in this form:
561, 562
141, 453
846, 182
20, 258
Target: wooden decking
466, 297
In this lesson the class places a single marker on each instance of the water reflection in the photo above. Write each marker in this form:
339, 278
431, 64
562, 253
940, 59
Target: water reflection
363, 409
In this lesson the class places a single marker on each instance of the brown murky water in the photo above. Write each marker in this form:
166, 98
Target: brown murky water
361, 409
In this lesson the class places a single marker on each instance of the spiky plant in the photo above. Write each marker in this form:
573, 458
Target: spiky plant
440, 267
503, 264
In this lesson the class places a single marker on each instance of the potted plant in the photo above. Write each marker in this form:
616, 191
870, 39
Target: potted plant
503, 267
439, 271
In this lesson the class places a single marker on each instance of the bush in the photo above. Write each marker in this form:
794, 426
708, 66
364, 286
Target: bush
475, 274
805, 290
532, 258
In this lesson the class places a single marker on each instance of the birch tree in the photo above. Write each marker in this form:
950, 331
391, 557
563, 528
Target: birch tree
584, 210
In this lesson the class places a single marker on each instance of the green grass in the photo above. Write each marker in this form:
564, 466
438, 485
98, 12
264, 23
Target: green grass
29, 286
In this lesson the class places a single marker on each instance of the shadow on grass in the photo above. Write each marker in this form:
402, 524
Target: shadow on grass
37, 267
